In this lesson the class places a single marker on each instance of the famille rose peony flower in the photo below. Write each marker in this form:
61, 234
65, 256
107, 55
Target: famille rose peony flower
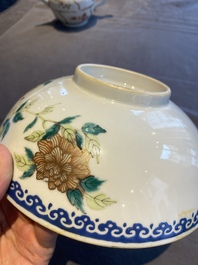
61, 163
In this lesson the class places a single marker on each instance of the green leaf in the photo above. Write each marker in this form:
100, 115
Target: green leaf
22, 162
92, 128
69, 133
93, 146
22, 106
51, 131
26, 105
47, 110
29, 172
91, 184
29, 153
35, 136
79, 139
98, 202
6, 122
31, 125
5, 128
17, 117
75, 197
30, 102
68, 120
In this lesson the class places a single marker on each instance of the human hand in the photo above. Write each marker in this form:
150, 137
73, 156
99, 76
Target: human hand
22, 241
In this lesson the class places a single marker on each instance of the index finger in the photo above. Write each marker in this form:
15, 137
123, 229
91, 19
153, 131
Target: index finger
5, 169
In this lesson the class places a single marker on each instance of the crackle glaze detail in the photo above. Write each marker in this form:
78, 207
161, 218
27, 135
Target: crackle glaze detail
63, 156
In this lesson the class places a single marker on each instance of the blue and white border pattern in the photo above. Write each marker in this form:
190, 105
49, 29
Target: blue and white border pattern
109, 231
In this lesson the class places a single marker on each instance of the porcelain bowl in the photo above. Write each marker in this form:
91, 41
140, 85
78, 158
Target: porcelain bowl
104, 157
73, 13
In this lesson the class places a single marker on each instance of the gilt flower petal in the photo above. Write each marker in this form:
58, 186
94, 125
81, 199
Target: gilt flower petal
61, 163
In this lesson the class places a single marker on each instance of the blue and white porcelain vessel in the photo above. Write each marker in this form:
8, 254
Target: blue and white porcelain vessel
104, 157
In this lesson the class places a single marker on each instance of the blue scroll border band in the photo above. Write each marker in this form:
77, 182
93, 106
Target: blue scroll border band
109, 231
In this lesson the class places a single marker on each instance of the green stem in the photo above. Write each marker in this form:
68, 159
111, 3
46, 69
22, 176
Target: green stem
87, 194
42, 119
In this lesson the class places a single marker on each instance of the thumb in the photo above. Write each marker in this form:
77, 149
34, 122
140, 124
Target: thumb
5, 169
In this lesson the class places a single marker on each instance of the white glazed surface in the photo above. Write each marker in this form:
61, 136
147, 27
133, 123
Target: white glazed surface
73, 13
148, 158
